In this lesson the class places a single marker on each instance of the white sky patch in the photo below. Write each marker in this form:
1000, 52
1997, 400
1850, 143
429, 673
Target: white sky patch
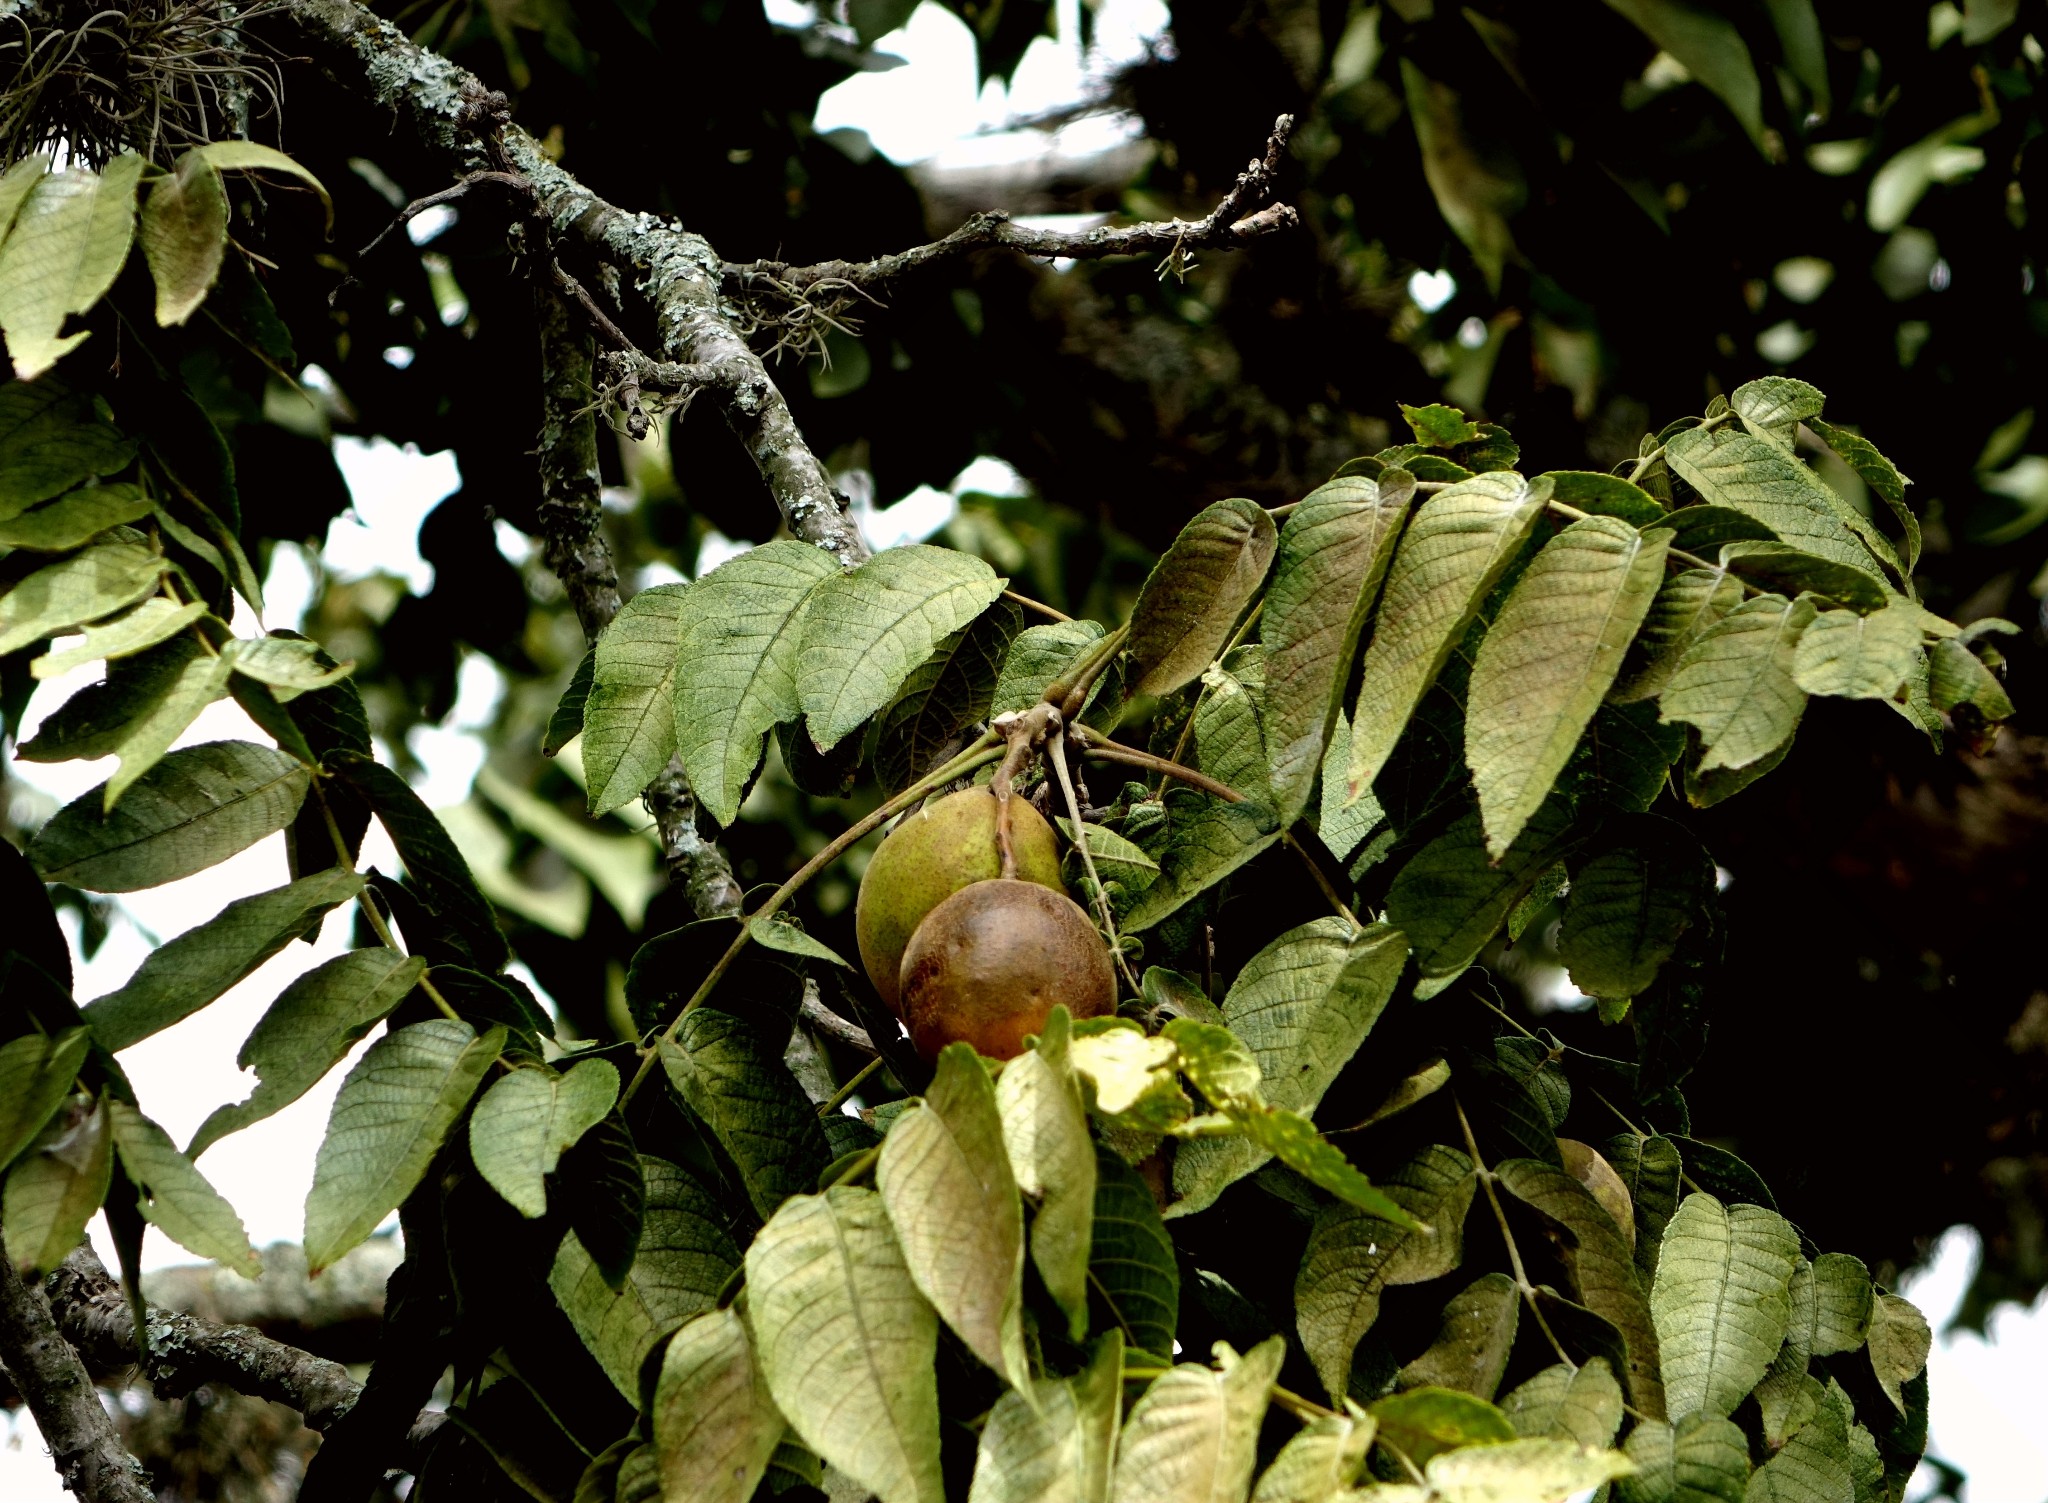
393, 490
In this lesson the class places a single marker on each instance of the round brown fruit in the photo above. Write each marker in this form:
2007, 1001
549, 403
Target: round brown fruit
931, 855
990, 963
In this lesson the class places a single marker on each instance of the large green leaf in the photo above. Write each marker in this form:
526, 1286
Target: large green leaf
1045, 1130
1815, 1465
1131, 1265
1881, 475
1423, 1422
1319, 1462
145, 705
185, 235
1899, 1341
525, 1121
1601, 1265
1334, 551
1230, 729
250, 156
1193, 1435
731, 1073
1302, 1006
847, 1341
176, 1196
388, 1121
1196, 592
1703, 1459
292, 664
1789, 570
309, 1030
736, 664
945, 1179
1476, 1331
176, 979
55, 1186
1689, 602
1548, 660
194, 809
1858, 656
685, 1256
1579, 1404
945, 695
1353, 1256
1721, 1301
51, 438
1058, 1446
69, 239
1735, 684
1037, 657
83, 587
1649, 881
1450, 899
1520, 1469
1458, 544
77, 518
154, 620
715, 1426
1772, 408
1833, 1303
866, 630
1208, 839
36, 1074
629, 721
1761, 480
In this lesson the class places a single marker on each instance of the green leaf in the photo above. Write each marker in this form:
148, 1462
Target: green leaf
195, 679
1735, 684
1344, 826
565, 724
1857, 656
629, 722
1880, 474
715, 1426
1711, 50
1450, 899
865, 631
176, 1196
1229, 723
1425, 1422
731, 1073
1333, 555
290, 663
1762, 481
1321, 1460
1689, 602
1704, 1459
945, 695
388, 1121
1548, 660
1196, 592
847, 1341
1131, 1265
194, 809
1631, 903
1582, 1405
55, 1186
1457, 546
1352, 1256
777, 934
1957, 676
736, 666
1038, 656
527, 1118
1302, 1006
1833, 1305
69, 239
1601, 1266
1438, 426
1193, 1435
155, 620
1605, 496
1045, 1130
36, 1072
1470, 1352
685, 1256
176, 979
1477, 187
140, 700
1773, 408
1721, 1301
1293, 1140
1057, 1446
1813, 1467
946, 1182
1116, 859
1209, 839
1899, 1340
309, 1030
51, 438
78, 589
248, 156
1789, 570
15, 184
185, 236
77, 518
1521, 1469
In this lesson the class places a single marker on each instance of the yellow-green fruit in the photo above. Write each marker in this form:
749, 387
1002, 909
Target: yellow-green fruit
989, 964
932, 854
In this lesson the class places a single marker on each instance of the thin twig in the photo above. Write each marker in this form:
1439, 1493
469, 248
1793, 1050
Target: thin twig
1036, 605
1056, 749
852, 1083
1500, 1216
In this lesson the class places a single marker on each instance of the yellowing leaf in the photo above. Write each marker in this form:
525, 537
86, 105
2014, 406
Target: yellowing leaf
185, 235
715, 1426
69, 239
1193, 1435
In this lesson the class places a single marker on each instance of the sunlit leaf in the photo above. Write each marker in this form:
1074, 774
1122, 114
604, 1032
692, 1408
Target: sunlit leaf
1058, 1449
69, 239
1322, 1459
1757, 478
55, 1186
185, 235
1703, 1459
1045, 1130
1720, 1301
176, 1196
1899, 1342
1579, 1404
1423, 1422
715, 1426
83, 587
1521, 1469
1735, 684
1689, 602
1192, 1437
629, 721
77, 518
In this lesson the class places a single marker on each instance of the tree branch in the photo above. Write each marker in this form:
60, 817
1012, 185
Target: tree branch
60, 1394
1245, 214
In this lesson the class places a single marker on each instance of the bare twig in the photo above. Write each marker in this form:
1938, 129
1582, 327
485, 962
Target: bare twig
826, 1021
1247, 212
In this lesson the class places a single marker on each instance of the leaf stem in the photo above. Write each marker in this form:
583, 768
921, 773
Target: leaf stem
368, 904
1500, 1217
1036, 605
853, 1083
1301, 1408
981, 752
1322, 878
1070, 694
1098, 745
1058, 750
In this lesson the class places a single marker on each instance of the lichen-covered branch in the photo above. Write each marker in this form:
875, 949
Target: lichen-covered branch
698, 864
1246, 213
60, 1394
571, 510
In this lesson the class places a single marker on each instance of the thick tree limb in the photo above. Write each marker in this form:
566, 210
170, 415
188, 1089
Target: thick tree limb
60, 1394
1245, 214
